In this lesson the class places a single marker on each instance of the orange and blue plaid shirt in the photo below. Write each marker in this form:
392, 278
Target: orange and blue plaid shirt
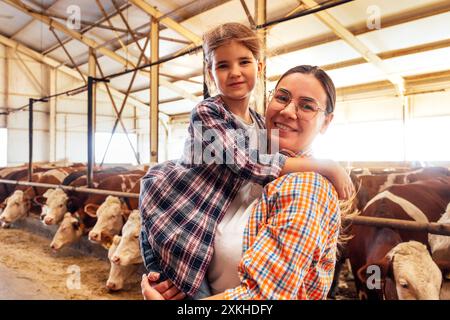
290, 241
181, 202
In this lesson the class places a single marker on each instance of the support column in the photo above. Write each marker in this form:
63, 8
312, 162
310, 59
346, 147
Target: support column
154, 84
91, 120
92, 69
261, 18
52, 120
30, 138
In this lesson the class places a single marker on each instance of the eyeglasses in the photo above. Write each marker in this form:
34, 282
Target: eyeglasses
305, 109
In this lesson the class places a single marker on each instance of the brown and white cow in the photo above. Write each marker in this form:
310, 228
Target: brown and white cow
128, 251
372, 248
70, 230
111, 217
371, 185
440, 245
113, 213
19, 203
118, 274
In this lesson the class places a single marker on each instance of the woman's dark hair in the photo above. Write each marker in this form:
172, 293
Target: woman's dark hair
322, 77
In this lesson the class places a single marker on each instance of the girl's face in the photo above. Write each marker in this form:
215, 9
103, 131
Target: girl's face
234, 70
296, 133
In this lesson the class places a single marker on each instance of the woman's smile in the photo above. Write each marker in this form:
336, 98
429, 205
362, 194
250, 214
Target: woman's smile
284, 127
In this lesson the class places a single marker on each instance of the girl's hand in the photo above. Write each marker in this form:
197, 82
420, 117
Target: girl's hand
340, 179
159, 291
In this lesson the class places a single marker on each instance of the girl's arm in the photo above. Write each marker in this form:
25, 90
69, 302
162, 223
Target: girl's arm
327, 168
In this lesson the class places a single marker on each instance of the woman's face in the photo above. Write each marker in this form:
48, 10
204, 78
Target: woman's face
296, 133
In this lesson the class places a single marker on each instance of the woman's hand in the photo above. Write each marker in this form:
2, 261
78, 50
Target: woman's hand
340, 179
159, 291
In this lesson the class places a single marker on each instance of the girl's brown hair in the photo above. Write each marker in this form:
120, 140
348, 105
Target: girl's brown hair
222, 35
227, 32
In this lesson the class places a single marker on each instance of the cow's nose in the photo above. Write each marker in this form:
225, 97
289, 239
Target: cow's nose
94, 236
52, 246
115, 259
48, 220
111, 286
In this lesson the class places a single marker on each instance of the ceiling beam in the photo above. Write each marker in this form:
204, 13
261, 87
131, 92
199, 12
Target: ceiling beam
168, 22
360, 29
93, 44
383, 55
56, 64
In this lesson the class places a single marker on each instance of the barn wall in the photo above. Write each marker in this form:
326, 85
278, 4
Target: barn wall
71, 140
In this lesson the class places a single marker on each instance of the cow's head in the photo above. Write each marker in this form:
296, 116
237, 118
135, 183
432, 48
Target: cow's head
117, 273
440, 245
55, 207
128, 250
17, 207
69, 231
407, 272
110, 219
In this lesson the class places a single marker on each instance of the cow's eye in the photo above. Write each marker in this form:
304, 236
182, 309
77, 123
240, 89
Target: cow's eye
404, 284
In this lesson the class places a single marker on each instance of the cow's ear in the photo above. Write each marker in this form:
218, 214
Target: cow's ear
72, 204
76, 224
39, 200
380, 268
91, 209
444, 266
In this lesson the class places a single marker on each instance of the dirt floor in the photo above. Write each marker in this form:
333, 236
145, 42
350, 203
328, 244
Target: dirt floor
29, 269
26, 261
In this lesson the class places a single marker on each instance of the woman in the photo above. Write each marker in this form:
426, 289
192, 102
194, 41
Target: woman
290, 238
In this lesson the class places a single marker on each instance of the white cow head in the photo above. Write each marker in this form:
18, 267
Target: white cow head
118, 274
69, 231
417, 277
110, 217
128, 250
17, 207
55, 207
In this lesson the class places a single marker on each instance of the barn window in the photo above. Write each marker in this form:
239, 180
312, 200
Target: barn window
362, 141
3, 147
427, 139
119, 150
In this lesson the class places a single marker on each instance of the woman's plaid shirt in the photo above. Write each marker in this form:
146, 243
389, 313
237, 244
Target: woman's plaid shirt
181, 202
290, 241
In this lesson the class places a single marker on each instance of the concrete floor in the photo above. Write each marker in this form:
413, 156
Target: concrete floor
13, 286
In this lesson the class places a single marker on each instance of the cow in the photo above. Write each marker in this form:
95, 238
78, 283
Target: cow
440, 245
70, 230
128, 251
111, 217
371, 248
118, 274
18, 204
112, 214
369, 186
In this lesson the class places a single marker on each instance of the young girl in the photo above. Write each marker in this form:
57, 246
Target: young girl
183, 202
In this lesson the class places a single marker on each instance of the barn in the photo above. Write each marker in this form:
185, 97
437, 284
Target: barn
104, 97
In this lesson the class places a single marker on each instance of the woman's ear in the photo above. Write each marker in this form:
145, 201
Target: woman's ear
326, 123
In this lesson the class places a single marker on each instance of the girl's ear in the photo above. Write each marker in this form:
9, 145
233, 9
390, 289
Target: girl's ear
260, 66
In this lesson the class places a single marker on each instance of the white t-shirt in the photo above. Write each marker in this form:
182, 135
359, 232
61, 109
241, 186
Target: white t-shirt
222, 271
